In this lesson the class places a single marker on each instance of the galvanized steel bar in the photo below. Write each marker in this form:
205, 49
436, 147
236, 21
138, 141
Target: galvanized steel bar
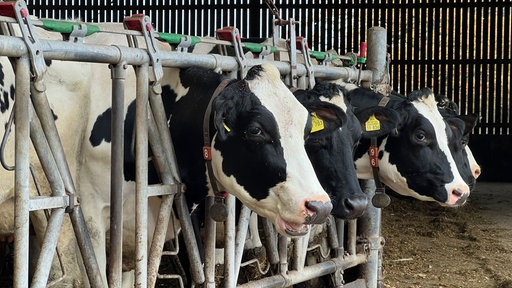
162, 163
141, 176
351, 232
340, 229
189, 237
22, 172
308, 273
210, 228
229, 243
241, 234
115, 261
370, 226
45, 156
282, 245
270, 241
44, 262
377, 60
85, 246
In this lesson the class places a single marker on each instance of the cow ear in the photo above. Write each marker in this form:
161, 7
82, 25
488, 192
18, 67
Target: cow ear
325, 112
222, 123
378, 121
470, 121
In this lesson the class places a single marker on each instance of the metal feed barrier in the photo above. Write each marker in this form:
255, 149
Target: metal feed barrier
346, 243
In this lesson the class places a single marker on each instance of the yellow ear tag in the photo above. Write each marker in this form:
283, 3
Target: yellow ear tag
318, 124
373, 124
226, 126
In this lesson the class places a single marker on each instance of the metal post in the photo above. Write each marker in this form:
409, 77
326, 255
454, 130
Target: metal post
370, 227
377, 59
141, 176
22, 172
229, 243
115, 261
209, 243
241, 234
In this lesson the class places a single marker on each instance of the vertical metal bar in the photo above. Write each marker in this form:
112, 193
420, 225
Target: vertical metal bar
340, 228
377, 58
229, 243
209, 243
115, 261
351, 235
283, 254
157, 243
22, 173
270, 241
370, 226
44, 262
241, 234
141, 176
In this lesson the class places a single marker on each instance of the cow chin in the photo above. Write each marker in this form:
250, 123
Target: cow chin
289, 229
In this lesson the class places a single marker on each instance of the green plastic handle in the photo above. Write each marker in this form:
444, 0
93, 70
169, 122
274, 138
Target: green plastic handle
67, 26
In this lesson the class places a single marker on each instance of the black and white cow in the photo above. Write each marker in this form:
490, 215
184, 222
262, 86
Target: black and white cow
415, 158
332, 153
260, 158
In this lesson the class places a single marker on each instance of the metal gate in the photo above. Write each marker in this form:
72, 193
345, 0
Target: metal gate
360, 244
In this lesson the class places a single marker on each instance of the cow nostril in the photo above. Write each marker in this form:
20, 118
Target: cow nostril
321, 210
457, 193
476, 173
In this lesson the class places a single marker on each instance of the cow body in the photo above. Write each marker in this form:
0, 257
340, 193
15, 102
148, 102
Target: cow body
260, 158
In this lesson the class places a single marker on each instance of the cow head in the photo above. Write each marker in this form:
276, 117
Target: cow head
461, 151
331, 145
416, 159
258, 152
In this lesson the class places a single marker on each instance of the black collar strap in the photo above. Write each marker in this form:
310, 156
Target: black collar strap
218, 211
380, 199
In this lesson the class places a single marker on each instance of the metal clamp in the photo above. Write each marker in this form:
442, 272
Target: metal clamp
230, 33
141, 22
78, 33
185, 43
19, 11
302, 45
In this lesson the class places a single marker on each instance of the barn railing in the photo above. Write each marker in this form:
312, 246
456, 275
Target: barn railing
347, 244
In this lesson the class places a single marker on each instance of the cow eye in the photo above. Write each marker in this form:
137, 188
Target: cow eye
254, 131
464, 142
420, 136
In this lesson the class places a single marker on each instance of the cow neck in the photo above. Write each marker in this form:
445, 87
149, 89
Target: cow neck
380, 199
207, 156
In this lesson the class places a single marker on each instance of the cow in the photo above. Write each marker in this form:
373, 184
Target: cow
450, 110
415, 158
332, 153
258, 151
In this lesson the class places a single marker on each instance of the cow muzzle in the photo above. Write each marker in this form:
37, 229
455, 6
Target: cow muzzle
317, 211
458, 197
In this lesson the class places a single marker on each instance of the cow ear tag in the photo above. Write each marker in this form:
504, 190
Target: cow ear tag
318, 124
226, 126
372, 124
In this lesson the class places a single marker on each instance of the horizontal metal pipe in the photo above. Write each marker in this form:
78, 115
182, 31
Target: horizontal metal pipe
60, 50
48, 202
308, 273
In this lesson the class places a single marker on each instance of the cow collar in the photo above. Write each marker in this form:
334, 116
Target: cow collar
218, 211
380, 199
